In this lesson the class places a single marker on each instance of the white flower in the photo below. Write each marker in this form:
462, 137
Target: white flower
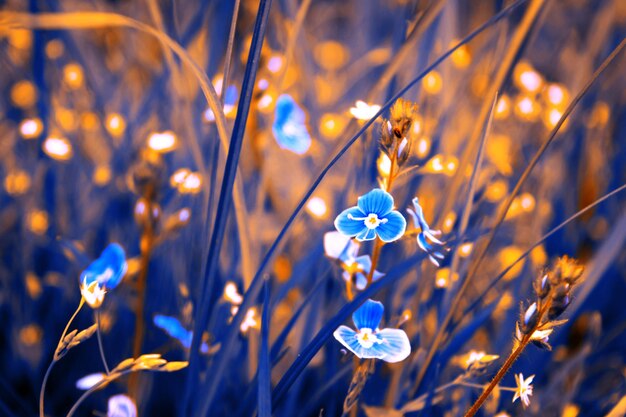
92, 293
524, 388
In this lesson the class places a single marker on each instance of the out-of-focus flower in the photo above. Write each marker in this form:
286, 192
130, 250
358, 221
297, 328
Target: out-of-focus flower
435, 250
344, 250
476, 359
524, 388
88, 381
121, 406
359, 268
175, 329
108, 270
364, 111
372, 216
339, 246
390, 345
289, 126
92, 293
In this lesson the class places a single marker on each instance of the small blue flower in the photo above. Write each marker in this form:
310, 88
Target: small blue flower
359, 268
175, 329
289, 126
436, 249
390, 345
108, 269
373, 215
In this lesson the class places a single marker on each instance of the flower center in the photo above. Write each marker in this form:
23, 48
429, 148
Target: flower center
367, 338
372, 221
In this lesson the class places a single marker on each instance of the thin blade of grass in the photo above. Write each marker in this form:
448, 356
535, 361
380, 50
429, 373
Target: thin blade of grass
570, 219
264, 402
225, 200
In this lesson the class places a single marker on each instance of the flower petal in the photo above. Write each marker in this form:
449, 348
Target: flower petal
368, 315
366, 234
395, 345
393, 229
347, 337
339, 246
376, 201
115, 257
108, 269
346, 225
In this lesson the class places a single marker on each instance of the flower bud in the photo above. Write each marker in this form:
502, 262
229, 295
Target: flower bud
529, 318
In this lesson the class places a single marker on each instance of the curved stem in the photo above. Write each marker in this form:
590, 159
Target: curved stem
54, 360
67, 326
510, 360
99, 336
503, 370
43, 387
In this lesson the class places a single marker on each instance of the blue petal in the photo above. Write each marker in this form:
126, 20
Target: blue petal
115, 257
339, 246
393, 229
365, 262
173, 328
376, 201
347, 337
231, 96
368, 315
108, 269
347, 226
395, 345
366, 234
289, 126
360, 281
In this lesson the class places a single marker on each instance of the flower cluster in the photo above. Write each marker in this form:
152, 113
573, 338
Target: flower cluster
553, 296
395, 134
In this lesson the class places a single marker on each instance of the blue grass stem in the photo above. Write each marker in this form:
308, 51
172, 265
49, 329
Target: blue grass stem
264, 400
225, 200
99, 336
505, 208
253, 290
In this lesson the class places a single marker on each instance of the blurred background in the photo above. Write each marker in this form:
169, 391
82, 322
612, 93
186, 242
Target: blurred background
106, 136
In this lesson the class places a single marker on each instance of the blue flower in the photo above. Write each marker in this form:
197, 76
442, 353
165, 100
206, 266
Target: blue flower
289, 126
108, 270
359, 268
175, 329
373, 215
436, 249
390, 345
